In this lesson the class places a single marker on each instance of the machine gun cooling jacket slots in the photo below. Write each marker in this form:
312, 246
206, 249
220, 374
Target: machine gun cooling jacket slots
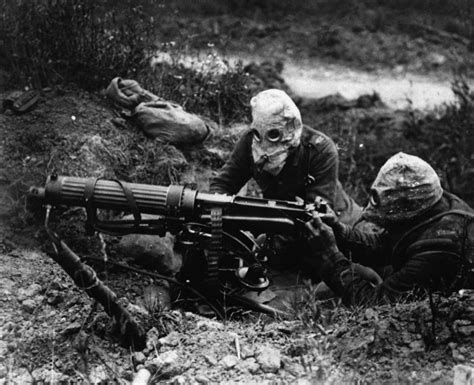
212, 228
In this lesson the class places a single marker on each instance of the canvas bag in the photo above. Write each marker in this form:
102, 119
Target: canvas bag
169, 123
128, 93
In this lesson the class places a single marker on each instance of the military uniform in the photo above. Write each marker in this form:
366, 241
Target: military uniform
310, 170
435, 251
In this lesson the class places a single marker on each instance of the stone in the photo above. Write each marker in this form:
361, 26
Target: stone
29, 305
54, 298
202, 379
151, 251
211, 360
180, 380
249, 365
22, 376
137, 311
98, 374
246, 351
138, 358
72, 328
206, 324
463, 375
167, 358
436, 59
171, 339
269, 359
45, 374
33, 289
152, 337
229, 361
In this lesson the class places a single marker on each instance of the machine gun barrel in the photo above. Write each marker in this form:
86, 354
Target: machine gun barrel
174, 201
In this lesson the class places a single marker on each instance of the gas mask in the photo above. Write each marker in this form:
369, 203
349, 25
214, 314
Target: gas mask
405, 187
276, 128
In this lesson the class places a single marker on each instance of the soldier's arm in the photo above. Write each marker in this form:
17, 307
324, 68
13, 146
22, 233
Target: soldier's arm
236, 171
368, 248
425, 268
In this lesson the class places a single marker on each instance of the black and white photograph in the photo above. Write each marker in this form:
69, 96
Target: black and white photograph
237, 192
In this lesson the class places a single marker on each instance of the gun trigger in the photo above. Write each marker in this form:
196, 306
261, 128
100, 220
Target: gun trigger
309, 180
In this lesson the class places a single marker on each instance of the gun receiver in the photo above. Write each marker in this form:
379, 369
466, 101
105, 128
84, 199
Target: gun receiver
174, 205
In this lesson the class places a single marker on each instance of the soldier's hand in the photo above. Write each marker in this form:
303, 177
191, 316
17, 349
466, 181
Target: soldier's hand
326, 213
321, 236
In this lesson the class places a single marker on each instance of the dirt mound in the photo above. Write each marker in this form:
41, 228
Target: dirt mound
380, 341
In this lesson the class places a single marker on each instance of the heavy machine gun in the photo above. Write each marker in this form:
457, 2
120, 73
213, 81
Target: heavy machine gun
214, 232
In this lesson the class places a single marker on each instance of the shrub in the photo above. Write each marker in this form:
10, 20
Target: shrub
49, 41
211, 87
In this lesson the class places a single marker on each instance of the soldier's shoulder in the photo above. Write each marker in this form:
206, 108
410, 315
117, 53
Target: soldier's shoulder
450, 224
315, 138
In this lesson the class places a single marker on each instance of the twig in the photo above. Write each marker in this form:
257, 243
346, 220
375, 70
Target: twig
237, 347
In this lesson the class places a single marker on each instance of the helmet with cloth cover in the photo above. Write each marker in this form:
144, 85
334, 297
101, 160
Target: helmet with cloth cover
405, 187
276, 127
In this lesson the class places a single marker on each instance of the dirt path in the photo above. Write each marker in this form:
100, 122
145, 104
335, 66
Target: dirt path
398, 91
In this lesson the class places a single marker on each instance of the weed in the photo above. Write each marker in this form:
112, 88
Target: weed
55, 41
210, 87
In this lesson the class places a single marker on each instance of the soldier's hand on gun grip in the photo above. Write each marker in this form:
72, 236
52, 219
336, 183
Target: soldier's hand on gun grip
326, 213
321, 237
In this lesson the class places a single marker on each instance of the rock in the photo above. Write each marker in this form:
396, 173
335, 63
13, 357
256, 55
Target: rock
29, 305
303, 381
370, 314
11, 346
72, 328
436, 59
269, 359
246, 352
417, 345
166, 359
168, 364
180, 380
22, 376
152, 337
30, 291
54, 298
229, 361
209, 325
142, 377
45, 374
212, 360
463, 375
249, 365
436, 375
137, 311
171, 339
98, 374
138, 358
151, 251
202, 379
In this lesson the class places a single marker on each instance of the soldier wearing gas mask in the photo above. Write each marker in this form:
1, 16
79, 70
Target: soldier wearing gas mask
288, 160
428, 242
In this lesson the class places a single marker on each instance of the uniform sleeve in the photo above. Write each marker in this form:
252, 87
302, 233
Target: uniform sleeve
236, 171
421, 270
324, 168
371, 249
